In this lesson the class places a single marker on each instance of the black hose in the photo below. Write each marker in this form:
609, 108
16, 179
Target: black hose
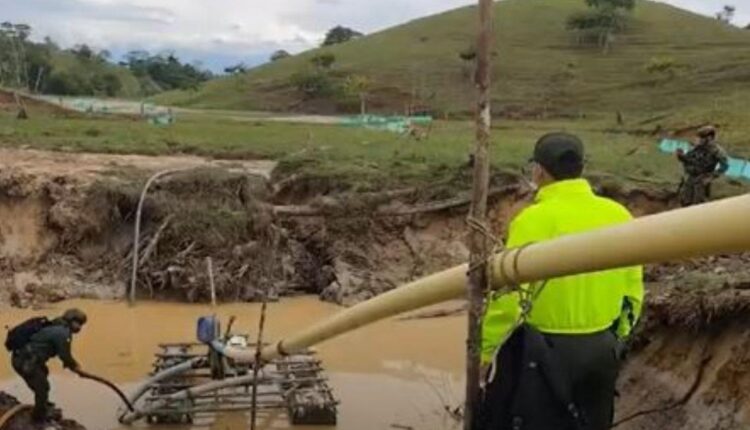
112, 386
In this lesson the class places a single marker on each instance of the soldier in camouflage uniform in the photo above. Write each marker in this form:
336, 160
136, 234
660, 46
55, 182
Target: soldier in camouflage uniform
31, 361
705, 162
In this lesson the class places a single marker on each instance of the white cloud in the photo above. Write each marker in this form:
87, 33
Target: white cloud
233, 29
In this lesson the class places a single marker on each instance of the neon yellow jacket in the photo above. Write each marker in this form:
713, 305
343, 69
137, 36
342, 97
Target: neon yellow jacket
578, 304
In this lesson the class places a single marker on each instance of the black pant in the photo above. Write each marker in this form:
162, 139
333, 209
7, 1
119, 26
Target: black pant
592, 364
35, 373
544, 380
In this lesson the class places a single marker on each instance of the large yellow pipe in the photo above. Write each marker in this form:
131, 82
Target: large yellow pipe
719, 227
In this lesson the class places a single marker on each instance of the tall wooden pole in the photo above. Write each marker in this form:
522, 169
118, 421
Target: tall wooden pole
478, 241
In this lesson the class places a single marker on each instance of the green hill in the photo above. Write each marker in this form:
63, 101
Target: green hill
539, 66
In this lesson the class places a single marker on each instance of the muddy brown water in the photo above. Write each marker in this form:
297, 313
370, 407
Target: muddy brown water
393, 374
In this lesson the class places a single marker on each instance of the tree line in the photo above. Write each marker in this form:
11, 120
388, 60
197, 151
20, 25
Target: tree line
45, 67
164, 72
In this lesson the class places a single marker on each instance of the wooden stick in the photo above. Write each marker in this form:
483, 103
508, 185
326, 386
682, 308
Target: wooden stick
257, 365
154, 241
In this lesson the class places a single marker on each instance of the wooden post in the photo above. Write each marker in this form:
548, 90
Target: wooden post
210, 267
478, 241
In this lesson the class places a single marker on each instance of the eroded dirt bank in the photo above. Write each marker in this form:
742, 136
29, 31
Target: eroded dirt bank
691, 358
66, 229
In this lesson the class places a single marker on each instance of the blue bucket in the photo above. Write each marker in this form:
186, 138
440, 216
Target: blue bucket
208, 327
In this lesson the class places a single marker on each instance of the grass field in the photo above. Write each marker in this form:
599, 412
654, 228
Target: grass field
369, 159
420, 60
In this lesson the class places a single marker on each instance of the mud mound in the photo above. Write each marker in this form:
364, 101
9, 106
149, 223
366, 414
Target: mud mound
21, 419
694, 379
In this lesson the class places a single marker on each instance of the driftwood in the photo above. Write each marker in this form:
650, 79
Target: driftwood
154, 241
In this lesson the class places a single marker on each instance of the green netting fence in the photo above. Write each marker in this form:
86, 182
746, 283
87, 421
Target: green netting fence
395, 124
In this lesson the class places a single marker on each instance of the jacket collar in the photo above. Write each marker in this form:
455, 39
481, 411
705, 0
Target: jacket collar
564, 188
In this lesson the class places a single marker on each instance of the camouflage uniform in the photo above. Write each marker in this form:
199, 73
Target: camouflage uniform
700, 165
30, 362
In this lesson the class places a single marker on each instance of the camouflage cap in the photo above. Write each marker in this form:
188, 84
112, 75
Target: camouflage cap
706, 131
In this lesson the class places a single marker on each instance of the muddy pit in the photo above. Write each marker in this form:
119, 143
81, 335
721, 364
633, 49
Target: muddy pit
66, 225
381, 374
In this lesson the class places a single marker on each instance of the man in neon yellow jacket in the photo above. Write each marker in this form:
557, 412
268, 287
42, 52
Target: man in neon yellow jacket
580, 318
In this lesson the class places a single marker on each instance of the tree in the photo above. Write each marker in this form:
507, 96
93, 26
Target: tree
164, 71
236, 69
324, 60
601, 22
312, 84
280, 55
108, 84
15, 37
340, 34
468, 57
358, 86
64, 83
611, 4
726, 15
468, 54
39, 59
83, 52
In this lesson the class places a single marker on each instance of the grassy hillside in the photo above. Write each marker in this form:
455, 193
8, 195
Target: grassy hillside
419, 61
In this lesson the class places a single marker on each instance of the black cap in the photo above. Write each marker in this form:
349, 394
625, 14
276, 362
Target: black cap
561, 155
75, 315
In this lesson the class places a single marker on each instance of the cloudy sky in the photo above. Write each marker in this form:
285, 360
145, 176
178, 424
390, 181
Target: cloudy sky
223, 32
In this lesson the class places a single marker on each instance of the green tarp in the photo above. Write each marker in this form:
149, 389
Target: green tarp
395, 124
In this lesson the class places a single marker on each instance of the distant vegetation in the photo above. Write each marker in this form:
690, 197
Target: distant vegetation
44, 67
340, 34
280, 55
602, 21
726, 15
163, 72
